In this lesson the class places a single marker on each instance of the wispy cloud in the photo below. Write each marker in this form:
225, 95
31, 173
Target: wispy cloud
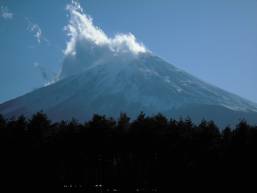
36, 30
5, 13
81, 27
89, 45
48, 76
42, 71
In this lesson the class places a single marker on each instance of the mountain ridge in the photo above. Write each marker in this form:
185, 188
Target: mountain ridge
145, 83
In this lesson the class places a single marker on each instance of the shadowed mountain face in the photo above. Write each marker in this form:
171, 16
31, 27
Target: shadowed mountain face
140, 83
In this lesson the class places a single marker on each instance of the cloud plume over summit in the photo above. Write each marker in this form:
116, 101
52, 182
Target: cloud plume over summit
82, 28
90, 44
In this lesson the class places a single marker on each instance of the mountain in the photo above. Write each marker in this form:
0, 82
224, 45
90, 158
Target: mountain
141, 83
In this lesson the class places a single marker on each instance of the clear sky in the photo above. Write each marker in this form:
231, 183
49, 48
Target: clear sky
215, 40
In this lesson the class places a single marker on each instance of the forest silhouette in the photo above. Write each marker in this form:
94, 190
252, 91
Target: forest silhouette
148, 154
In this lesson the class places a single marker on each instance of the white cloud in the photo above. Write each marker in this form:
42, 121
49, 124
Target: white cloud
81, 28
5, 13
36, 30
89, 45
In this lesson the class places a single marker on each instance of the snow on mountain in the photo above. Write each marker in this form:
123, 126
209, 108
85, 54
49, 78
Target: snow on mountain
146, 83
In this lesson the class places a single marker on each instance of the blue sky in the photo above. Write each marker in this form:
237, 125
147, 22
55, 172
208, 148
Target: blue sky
213, 40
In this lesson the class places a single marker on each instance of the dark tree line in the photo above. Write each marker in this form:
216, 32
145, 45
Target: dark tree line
148, 154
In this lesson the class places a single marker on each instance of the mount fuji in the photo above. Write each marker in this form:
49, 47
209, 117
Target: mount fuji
112, 75
145, 83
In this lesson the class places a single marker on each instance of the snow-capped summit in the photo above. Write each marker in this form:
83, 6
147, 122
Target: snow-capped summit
146, 83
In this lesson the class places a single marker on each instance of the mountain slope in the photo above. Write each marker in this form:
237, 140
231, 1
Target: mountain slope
144, 83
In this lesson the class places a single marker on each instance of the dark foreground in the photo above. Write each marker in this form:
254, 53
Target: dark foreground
149, 154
